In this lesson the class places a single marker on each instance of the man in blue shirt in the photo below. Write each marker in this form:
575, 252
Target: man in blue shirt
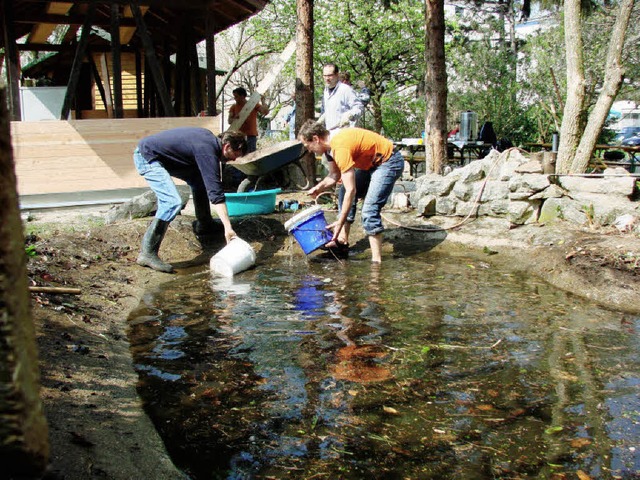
196, 156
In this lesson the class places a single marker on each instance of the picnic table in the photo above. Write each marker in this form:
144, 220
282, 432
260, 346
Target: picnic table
632, 155
466, 151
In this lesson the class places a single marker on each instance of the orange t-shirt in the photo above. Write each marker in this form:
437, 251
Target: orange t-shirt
250, 125
360, 148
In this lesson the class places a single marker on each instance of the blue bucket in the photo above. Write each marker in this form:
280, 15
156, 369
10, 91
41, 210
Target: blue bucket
309, 229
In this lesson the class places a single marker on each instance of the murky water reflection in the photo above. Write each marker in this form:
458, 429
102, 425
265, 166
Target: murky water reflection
429, 366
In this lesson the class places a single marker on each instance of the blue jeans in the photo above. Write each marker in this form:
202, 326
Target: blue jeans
375, 186
169, 200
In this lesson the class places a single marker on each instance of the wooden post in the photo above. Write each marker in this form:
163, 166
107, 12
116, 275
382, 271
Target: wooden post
107, 85
116, 61
197, 79
186, 81
97, 79
74, 76
139, 94
211, 67
549, 162
13, 61
153, 61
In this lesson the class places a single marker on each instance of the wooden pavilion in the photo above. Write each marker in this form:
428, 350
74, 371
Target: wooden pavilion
104, 38
114, 60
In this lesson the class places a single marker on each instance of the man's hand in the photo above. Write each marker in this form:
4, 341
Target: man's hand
345, 120
230, 235
315, 191
336, 228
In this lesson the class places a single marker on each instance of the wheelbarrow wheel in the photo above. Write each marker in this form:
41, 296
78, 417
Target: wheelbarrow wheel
299, 177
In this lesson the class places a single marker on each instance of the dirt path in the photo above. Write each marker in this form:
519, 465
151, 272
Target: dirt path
98, 428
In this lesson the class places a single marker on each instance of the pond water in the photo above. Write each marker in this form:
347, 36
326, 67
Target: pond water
434, 365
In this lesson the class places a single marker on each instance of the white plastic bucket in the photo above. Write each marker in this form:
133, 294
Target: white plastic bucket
235, 257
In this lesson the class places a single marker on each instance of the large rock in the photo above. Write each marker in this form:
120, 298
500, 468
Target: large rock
143, 205
520, 213
623, 185
564, 208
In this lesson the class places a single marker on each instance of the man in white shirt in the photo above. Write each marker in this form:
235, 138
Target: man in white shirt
340, 105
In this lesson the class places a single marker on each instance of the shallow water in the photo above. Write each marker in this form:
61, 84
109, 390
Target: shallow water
428, 366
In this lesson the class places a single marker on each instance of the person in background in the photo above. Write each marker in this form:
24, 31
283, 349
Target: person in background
290, 120
250, 125
452, 134
363, 95
340, 105
345, 77
368, 168
194, 155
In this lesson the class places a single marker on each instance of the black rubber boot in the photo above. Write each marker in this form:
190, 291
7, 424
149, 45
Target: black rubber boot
203, 226
151, 241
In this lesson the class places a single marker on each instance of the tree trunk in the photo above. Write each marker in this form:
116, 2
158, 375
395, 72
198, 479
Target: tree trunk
614, 74
436, 87
24, 447
573, 115
304, 76
377, 110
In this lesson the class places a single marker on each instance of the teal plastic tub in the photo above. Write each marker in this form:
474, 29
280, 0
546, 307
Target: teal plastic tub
251, 203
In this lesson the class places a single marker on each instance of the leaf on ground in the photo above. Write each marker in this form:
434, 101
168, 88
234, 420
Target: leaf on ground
552, 430
580, 442
582, 475
390, 410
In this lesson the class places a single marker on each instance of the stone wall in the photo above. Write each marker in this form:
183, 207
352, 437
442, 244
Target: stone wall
511, 185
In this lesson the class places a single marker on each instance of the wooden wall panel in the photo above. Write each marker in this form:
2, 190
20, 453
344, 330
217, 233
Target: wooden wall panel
86, 155
129, 93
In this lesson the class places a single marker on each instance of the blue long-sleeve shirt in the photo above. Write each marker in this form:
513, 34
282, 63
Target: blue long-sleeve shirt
188, 153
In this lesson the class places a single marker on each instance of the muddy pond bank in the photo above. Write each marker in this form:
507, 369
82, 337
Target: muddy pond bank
97, 426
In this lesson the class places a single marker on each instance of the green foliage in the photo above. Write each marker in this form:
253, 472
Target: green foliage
30, 250
402, 114
483, 78
379, 43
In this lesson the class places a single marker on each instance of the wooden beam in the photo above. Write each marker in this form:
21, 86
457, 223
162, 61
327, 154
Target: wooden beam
264, 85
127, 31
41, 31
211, 66
139, 94
65, 47
98, 80
116, 62
197, 80
107, 85
183, 68
180, 70
77, 62
52, 20
13, 61
153, 61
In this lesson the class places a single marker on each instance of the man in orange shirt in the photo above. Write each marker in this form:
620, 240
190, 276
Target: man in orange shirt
368, 167
250, 125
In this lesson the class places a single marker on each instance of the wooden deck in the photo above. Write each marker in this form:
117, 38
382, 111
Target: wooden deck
86, 155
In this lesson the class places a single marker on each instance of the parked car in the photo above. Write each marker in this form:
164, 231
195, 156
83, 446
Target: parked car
625, 133
632, 141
